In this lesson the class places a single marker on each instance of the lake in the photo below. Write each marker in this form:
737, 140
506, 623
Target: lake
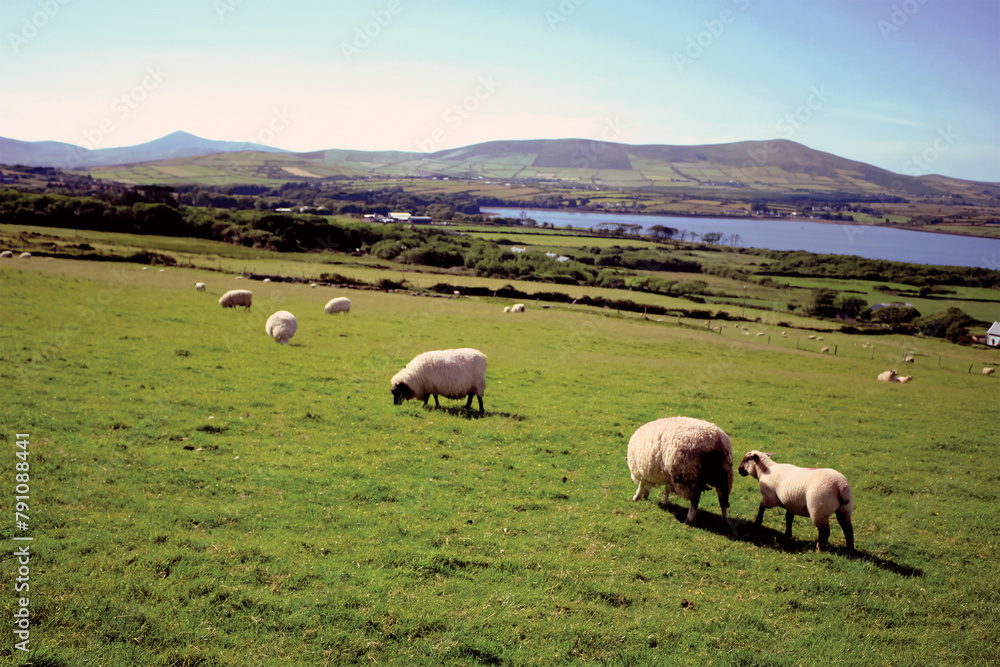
864, 241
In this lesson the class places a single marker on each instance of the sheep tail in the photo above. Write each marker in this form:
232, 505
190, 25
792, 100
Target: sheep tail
844, 495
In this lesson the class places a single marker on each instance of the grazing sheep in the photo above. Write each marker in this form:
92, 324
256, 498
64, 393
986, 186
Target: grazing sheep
313, 285
281, 326
449, 373
685, 455
267, 280
6, 254
25, 255
506, 309
987, 371
339, 305
761, 333
904, 378
200, 287
907, 360
239, 278
517, 308
813, 492
145, 268
811, 337
887, 376
236, 297
824, 349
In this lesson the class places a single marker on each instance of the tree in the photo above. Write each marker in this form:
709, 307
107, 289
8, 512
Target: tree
850, 305
821, 303
662, 232
712, 237
896, 314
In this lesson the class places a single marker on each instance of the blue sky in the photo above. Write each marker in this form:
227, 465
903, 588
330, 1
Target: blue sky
908, 85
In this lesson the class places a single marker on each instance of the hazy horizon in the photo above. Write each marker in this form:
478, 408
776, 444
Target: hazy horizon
910, 86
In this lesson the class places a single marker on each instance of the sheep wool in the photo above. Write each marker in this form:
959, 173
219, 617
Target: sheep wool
685, 455
517, 308
904, 379
25, 255
281, 326
449, 373
236, 297
988, 371
813, 492
887, 376
6, 254
339, 305
200, 287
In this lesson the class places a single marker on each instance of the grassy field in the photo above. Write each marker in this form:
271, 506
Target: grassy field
203, 496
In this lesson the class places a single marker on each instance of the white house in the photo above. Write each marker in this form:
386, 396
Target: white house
993, 335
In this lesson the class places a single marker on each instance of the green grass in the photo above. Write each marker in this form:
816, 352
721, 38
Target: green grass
204, 496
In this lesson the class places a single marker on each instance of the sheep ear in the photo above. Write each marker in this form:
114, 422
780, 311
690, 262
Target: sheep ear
770, 453
753, 457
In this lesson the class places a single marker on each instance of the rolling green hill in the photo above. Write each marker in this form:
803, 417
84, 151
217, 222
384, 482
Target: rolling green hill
743, 168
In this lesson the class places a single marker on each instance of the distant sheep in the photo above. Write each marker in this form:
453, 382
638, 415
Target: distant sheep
200, 287
339, 305
904, 378
811, 337
685, 455
449, 373
887, 376
266, 280
907, 360
281, 326
824, 349
813, 492
987, 371
506, 309
236, 297
25, 255
517, 308
6, 254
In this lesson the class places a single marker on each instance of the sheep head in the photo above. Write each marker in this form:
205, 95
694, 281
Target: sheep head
754, 463
401, 392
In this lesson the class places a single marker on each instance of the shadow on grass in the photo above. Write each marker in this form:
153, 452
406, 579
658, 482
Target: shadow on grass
769, 538
462, 411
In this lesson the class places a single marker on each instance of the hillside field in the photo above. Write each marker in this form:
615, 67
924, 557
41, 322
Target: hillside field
201, 495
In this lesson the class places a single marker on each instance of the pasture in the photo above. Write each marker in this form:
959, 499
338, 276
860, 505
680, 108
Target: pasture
203, 496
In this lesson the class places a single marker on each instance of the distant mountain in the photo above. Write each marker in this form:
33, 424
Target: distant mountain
740, 169
68, 156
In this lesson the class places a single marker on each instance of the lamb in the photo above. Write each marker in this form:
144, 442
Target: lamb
907, 360
281, 326
517, 308
887, 376
200, 287
813, 492
6, 254
685, 455
506, 309
988, 371
339, 305
449, 373
904, 378
236, 297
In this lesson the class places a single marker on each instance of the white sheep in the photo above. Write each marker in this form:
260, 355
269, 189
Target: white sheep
824, 349
907, 360
904, 378
813, 492
236, 297
685, 455
506, 309
517, 308
449, 373
887, 376
267, 280
281, 326
988, 371
339, 305
25, 255
6, 254
200, 287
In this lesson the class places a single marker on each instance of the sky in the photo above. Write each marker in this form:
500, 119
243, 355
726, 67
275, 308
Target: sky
912, 86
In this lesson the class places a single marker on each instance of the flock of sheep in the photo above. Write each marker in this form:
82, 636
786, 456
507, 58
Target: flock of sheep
280, 326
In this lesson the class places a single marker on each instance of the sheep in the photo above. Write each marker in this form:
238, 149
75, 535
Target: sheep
988, 371
506, 309
236, 297
685, 455
887, 376
449, 373
200, 287
25, 255
907, 360
517, 308
824, 349
281, 326
813, 492
339, 305
6, 254
904, 378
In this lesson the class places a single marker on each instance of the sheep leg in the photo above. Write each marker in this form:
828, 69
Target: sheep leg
844, 519
824, 537
641, 493
481, 411
694, 508
468, 403
760, 515
436, 404
788, 524
724, 505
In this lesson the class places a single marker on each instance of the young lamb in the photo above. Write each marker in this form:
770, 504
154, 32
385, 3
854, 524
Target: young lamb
685, 455
281, 326
887, 376
813, 492
449, 373
200, 287
339, 305
904, 378
236, 297
987, 371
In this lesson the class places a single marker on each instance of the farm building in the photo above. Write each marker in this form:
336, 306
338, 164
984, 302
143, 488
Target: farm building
993, 335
